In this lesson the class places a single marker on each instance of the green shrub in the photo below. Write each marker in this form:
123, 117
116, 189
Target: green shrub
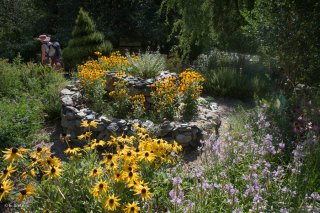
228, 82
85, 41
146, 65
19, 120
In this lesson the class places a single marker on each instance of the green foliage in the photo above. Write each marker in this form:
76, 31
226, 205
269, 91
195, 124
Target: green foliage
287, 34
71, 191
146, 65
18, 27
19, 121
29, 93
174, 63
208, 23
228, 82
95, 95
85, 41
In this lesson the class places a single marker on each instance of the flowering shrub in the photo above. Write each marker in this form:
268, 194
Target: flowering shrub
120, 96
119, 181
138, 107
164, 97
190, 87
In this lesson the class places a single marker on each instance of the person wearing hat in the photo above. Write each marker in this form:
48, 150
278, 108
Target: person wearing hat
45, 42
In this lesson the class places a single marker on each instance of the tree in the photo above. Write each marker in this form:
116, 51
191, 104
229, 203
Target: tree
204, 24
287, 33
84, 42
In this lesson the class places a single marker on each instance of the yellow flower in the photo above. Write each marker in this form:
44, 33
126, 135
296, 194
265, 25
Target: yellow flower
13, 153
54, 172
100, 188
5, 188
147, 156
7, 172
144, 191
95, 172
118, 177
72, 151
93, 124
112, 203
84, 124
132, 208
27, 191
41, 151
130, 176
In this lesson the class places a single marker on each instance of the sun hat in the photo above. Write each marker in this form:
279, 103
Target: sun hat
43, 38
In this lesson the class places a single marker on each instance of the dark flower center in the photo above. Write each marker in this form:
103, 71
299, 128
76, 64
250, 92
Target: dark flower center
143, 191
130, 168
34, 159
132, 208
23, 192
53, 170
118, 175
146, 154
95, 171
39, 149
121, 146
14, 150
123, 136
5, 171
137, 150
130, 174
112, 164
1, 190
101, 185
129, 154
64, 134
109, 157
111, 201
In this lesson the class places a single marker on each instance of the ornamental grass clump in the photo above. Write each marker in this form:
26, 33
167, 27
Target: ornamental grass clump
118, 181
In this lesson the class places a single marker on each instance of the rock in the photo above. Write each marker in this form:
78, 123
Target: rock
70, 109
81, 114
184, 139
105, 120
90, 117
148, 124
66, 92
165, 128
113, 127
67, 101
122, 123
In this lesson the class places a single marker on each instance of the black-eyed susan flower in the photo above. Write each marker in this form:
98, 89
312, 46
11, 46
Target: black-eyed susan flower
143, 191
132, 208
118, 177
5, 188
51, 161
84, 124
112, 203
100, 188
95, 172
7, 172
130, 176
93, 124
112, 166
53, 172
108, 157
27, 191
40, 151
13, 153
147, 156
72, 151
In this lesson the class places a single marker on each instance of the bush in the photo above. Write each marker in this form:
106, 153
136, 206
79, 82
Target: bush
19, 121
39, 82
86, 182
85, 41
146, 65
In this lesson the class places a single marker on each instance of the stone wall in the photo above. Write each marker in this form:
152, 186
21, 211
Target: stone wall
74, 112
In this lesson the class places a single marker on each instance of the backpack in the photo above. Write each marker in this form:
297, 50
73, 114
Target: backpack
54, 50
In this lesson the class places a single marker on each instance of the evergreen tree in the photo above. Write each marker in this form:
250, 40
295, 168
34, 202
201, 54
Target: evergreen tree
84, 42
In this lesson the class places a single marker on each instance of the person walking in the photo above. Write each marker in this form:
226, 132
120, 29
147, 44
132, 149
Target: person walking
45, 44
